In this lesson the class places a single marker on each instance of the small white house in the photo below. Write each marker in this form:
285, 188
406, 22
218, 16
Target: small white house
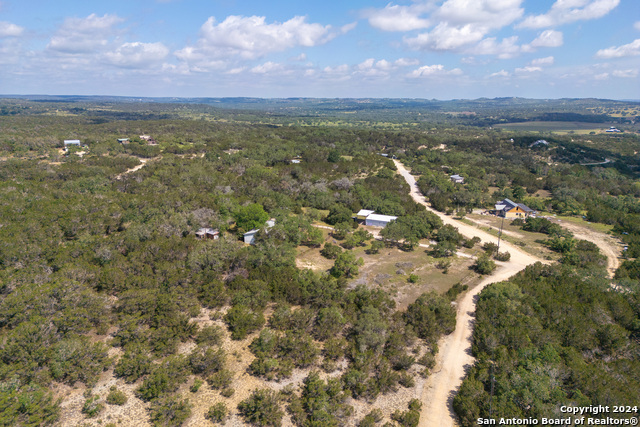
457, 179
69, 142
539, 142
250, 236
208, 233
613, 129
376, 220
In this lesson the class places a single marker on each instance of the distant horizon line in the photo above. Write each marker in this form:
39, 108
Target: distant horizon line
27, 96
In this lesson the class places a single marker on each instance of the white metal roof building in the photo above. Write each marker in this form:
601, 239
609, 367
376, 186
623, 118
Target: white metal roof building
250, 236
376, 220
363, 214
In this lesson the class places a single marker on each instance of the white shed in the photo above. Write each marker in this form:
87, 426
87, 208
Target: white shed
457, 179
376, 220
250, 236
363, 214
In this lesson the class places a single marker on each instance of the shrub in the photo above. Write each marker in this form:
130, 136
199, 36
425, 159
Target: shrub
197, 383
502, 256
251, 216
133, 365
346, 265
519, 222
413, 278
116, 397
490, 248
444, 265
371, 419
206, 360
456, 290
227, 392
338, 214
428, 360
431, 315
76, 359
406, 380
415, 405
262, 408
409, 418
331, 251
340, 230
443, 249
217, 413
92, 406
242, 321
376, 245
221, 379
165, 378
169, 411
209, 335
470, 243
329, 323
30, 403
484, 265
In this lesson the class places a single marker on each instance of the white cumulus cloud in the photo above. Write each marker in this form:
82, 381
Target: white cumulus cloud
252, 37
462, 24
507, 48
484, 13
501, 73
133, 55
631, 49
382, 68
399, 18
539, 62
268, 67
7, 29
627, 74
84, 35
528, 69
447, 38
565, 11
406, 62
434, 70
548, 38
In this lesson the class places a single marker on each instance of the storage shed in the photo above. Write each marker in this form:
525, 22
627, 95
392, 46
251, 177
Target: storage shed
376, 220
208, 233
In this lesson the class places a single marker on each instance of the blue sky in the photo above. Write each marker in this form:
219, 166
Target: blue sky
440, 49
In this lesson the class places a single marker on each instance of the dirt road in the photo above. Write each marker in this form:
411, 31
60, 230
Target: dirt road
609, 246
143, 163
455, 349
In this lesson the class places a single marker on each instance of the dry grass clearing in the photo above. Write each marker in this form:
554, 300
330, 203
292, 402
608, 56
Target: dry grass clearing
390, 269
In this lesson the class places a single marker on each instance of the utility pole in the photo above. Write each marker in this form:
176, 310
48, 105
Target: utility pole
500, 234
